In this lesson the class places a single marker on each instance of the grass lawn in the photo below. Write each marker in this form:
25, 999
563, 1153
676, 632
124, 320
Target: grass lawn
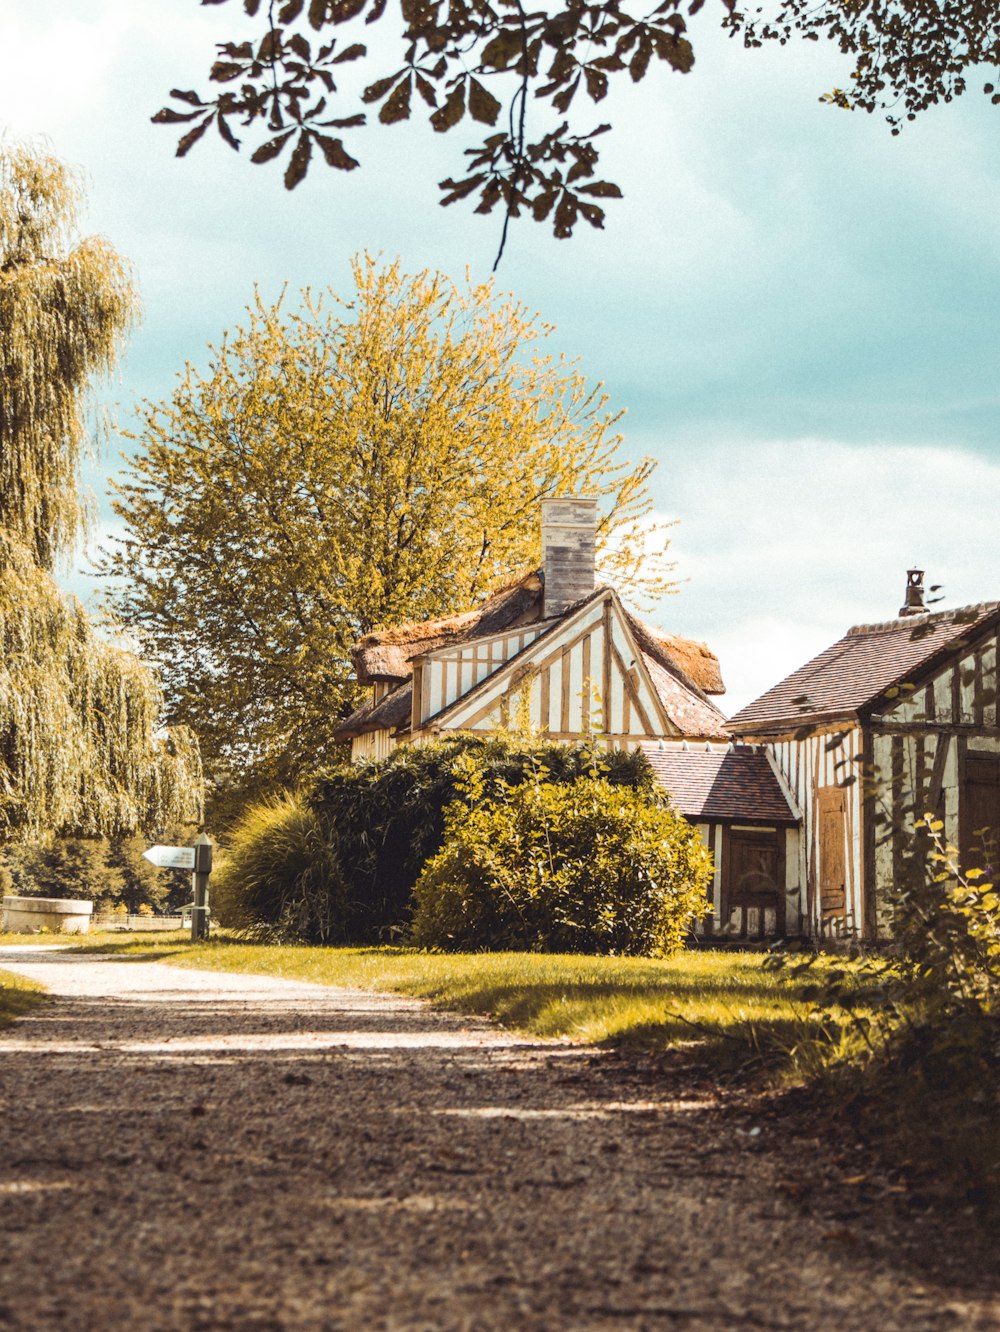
17, 996
725, 1002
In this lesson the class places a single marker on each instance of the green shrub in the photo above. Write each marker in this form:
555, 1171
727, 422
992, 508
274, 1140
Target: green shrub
583, 867
279, 877
383, 820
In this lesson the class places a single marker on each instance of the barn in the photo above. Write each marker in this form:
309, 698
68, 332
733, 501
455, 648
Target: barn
893, 720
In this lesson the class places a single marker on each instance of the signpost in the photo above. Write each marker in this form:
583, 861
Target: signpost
170, 857
197, 858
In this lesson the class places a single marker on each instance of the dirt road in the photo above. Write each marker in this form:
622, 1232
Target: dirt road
198, 1150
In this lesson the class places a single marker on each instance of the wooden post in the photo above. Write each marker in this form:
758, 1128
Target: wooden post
199, 884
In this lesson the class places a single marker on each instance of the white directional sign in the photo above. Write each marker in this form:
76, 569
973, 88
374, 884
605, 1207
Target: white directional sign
171, 857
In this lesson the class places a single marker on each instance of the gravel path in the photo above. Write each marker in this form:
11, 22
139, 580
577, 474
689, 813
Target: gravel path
199, 1150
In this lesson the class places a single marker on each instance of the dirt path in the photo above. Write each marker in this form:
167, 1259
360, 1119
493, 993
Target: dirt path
198, 1150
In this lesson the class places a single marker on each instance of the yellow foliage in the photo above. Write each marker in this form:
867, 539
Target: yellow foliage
345, 465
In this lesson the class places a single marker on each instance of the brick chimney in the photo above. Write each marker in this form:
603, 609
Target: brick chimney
569, 535
914, 602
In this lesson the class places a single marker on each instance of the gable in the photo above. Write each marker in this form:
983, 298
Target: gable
583, 674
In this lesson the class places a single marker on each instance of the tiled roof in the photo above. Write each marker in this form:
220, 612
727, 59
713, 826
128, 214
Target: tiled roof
723, 784
692, 713
858, 668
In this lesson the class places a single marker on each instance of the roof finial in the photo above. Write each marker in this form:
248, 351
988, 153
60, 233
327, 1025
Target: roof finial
914, 603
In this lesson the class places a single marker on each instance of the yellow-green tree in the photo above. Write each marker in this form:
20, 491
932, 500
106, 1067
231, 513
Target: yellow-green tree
80, 748
65, 307
348, 464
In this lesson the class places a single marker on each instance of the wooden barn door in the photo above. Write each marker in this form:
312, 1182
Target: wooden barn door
979, 820
754, 880
831, 813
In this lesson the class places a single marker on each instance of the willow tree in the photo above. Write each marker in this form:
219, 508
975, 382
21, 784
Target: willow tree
65, 307
344, 465
80, 748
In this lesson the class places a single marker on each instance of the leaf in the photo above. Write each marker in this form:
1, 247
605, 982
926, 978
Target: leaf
483, 106
397, 106
640, 60
597, 84
250, 6
298, 163
317, 14
565, 216
460, 189
289, 11
192, 136
353, 52
602, 189
168, 116
377, 90
562, 99
272, 148
426, 89
225, 70
336, 154
452, 111
191, 98
502, 50
223, 127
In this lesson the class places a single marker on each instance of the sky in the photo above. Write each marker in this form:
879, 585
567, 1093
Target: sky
799, 312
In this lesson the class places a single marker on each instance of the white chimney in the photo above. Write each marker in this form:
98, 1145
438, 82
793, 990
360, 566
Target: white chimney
569, 536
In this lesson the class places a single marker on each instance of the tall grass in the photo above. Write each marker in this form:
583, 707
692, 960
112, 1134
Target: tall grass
279, 876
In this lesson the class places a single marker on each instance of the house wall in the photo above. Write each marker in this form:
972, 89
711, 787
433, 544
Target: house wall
372, 745
447, 675
919, 749
583, 679
824, 761
713, 835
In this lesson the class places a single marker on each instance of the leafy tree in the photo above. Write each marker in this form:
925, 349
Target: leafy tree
80, 751
340, 467
491, 61
65, 306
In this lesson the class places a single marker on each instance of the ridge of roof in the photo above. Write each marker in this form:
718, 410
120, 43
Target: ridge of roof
957, 615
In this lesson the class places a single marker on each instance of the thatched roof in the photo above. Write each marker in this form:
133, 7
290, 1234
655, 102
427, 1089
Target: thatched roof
387, 654
693, 660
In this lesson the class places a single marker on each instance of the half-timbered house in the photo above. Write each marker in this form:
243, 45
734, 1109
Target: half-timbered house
736, 798
567, 657
893, 720
553, 650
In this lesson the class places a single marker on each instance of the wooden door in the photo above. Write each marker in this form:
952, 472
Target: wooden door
755, 877
831, 816
979, 819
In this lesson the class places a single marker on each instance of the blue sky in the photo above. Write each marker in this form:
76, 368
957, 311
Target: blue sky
800, 313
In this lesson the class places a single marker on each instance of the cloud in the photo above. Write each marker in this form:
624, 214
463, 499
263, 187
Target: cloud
787, 544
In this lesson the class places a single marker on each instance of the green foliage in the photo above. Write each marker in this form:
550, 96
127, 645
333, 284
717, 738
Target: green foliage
367, 829
64, 310
113, 873
386, 819
279, 876
341, 466
80, 750
583, 867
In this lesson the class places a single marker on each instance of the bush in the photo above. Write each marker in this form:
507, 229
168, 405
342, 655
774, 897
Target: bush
582, 867
279, 877
384, 820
